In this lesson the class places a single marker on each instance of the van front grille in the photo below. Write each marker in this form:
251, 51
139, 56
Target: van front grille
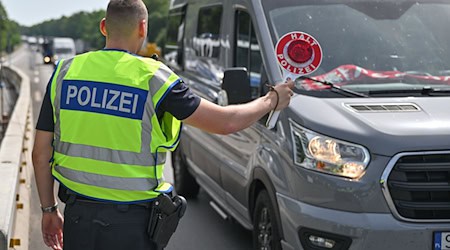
419, 186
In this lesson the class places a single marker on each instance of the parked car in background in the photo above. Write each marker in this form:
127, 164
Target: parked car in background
360, 161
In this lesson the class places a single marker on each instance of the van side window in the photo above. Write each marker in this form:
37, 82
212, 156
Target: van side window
207, 41
173, 48
247, 52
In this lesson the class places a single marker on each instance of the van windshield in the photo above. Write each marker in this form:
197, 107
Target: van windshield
371, 45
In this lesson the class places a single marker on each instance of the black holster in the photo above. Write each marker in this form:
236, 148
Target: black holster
165, 215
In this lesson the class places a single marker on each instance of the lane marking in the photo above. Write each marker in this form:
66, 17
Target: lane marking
36, 79
37, 96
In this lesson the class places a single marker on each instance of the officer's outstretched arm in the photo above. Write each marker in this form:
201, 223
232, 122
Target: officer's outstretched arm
229, 119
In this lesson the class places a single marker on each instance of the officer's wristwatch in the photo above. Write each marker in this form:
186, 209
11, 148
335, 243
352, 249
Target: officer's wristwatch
49, 209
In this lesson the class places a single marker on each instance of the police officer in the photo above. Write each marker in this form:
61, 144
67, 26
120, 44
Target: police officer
106, 122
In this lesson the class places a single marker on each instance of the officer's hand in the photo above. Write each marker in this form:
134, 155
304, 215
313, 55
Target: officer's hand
52, 229
285, 93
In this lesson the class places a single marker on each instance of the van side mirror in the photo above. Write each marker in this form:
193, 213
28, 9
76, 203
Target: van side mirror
237, 85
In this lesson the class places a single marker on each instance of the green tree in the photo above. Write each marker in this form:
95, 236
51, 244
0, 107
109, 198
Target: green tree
157, 20
85, 25
91, 34
81, 25
9, 31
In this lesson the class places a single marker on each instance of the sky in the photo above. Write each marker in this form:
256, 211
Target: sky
30, 12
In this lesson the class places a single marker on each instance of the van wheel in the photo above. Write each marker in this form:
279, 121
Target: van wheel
265, 226
185, 183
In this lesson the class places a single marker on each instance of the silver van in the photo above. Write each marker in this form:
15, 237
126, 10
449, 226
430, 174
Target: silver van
361, 157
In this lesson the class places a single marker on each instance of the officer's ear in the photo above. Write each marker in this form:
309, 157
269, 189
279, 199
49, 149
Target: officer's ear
142, 28
103, 27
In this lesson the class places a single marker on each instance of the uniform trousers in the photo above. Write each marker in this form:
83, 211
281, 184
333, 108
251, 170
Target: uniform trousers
93, 225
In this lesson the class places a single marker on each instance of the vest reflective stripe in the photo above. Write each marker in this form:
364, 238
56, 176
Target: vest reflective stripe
172, 78
136, 184
115, 156
108, 168
62, 70
157, 80
111, 169
107, 194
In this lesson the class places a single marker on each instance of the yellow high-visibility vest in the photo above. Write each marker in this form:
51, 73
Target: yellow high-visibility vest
108, 141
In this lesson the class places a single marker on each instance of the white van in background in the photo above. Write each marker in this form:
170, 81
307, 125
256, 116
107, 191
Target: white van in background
63, 48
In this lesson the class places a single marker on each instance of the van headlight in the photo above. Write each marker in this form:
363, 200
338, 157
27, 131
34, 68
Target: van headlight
325, 154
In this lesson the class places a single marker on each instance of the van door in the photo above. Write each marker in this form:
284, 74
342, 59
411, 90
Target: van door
240, 148
200, 67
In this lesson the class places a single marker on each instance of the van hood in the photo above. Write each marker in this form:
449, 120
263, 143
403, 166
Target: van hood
385, 126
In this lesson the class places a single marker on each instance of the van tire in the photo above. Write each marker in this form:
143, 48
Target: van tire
185, 183
265, 225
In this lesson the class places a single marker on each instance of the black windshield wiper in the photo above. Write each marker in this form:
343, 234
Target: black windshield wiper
335, 87
425, 91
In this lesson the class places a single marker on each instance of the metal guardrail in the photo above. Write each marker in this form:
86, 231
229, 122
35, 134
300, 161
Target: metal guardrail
12, 154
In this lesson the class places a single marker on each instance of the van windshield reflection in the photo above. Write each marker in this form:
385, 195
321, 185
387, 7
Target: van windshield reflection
382, 41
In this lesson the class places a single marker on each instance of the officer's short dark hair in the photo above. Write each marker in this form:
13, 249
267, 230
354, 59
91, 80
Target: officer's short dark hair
122, 16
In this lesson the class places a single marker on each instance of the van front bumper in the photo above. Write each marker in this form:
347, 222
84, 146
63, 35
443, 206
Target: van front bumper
368, 231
